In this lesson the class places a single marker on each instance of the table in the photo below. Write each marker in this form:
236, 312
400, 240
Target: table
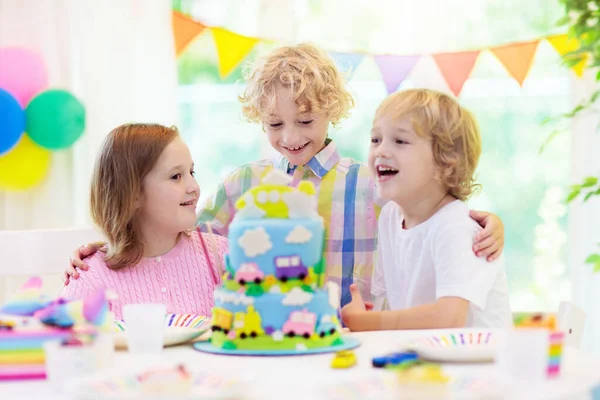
305, 377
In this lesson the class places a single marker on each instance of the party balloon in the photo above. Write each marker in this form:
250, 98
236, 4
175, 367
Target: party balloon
22, 73
12, 121
25, 166
55, 119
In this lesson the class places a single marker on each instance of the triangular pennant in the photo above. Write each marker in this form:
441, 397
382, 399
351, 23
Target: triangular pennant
427, 75
347, 62
563, 45
456, 68
231, 48
395, 69
517, 58
185, 30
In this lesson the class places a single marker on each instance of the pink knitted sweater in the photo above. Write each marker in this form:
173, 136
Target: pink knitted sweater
183, 279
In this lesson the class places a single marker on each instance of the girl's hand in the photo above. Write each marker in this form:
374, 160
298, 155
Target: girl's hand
489, 242
76, 261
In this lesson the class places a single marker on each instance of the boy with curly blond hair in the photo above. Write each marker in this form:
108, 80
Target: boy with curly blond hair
424, 151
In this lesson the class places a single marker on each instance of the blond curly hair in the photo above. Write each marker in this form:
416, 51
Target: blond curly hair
311, 75
453, 130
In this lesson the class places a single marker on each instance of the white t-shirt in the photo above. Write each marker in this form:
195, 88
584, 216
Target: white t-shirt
435, 259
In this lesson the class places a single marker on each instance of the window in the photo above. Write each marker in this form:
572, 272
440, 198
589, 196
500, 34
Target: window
525, 188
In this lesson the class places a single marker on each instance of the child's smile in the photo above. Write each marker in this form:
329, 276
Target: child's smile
385, 173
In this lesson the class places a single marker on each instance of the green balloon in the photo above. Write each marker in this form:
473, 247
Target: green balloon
55, 119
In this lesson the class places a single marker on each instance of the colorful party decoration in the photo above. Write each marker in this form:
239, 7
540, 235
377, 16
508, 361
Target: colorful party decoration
22, 73
12, 121
25, 166
517, 58
185, 30
33, 119
231, 49
563, 45
347, 62
455, 67
394, 69
55, 119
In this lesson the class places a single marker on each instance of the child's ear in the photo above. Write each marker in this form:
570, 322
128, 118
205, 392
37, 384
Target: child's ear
441, 173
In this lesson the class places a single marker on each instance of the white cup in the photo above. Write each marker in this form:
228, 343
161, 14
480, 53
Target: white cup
145, 327
522, 356
66, 364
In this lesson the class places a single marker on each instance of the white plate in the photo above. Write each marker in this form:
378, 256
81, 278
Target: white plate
180, 328
204, 386
173, 335
457, 346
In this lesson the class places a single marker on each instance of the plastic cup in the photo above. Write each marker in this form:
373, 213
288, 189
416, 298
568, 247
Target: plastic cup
145, 327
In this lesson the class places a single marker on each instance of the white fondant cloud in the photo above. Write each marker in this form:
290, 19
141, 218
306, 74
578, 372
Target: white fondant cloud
300, 205
298, 235
297, 297
276, 177
255, 242
333, 292
233, 297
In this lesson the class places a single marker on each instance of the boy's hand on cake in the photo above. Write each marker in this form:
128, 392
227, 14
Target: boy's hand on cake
489, 242
76, 261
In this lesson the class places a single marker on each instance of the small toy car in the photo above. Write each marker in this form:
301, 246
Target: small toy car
394, 359
7, 325
343, 359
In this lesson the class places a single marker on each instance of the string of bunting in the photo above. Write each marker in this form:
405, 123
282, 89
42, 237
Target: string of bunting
455, 67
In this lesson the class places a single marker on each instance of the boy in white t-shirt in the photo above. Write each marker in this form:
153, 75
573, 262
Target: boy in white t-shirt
424, 151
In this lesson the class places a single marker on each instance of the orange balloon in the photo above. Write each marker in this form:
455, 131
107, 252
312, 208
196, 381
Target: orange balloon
25, 166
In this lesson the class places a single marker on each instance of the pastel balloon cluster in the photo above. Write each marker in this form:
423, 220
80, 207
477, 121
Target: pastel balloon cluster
34, 119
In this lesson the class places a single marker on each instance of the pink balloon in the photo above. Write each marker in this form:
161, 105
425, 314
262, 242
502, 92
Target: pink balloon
22, 73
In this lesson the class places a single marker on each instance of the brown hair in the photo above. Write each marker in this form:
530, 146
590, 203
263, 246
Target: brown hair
453, 130
128, 154
310, 74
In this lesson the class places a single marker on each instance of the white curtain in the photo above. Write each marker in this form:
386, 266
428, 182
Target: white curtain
118, 58
584, 218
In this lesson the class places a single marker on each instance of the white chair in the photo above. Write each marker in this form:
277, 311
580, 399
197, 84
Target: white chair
43, 253
571, 320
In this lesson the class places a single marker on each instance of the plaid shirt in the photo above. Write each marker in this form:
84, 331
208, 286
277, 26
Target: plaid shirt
346, 201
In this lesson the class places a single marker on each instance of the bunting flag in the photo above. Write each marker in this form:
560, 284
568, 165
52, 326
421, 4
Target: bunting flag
517, 58
231, 49
563, 45
456, 68
427, 75
347, 62
395, 69
185, 30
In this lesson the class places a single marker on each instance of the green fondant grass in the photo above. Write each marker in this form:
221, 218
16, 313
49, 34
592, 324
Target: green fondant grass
265, 342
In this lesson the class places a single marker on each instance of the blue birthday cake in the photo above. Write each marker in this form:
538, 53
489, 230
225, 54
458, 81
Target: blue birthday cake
274, 294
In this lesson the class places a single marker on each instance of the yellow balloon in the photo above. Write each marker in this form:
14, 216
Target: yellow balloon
25, 166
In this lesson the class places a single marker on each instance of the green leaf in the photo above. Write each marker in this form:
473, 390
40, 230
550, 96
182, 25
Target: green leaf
563, 21
587, 196
573, 195
597, 267
597, 191
593, 258
589, 181
598, 76
549, 139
